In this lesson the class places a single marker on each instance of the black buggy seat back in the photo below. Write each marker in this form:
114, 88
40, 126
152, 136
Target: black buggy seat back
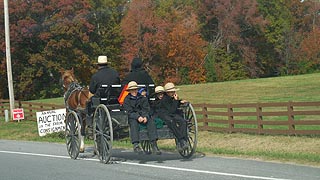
107, 95
149, 88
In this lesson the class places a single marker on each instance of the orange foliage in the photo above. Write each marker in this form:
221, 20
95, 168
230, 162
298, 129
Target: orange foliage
310, 47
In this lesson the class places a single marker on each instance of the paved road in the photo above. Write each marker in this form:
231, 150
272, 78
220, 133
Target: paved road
41, 161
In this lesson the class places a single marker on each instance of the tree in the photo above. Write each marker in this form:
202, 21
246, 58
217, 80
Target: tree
286, 26
165, 34
309, 54
49, 35
234, 27
106, 39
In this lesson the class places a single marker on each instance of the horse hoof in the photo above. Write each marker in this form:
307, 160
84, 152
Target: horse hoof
81, 150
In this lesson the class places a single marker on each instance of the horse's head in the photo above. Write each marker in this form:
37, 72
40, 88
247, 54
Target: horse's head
67, 77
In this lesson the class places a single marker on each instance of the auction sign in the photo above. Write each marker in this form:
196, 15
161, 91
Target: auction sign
51, 121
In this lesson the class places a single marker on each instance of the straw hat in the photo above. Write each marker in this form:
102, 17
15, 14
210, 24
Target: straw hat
169, 87
159, 89
132, 85
102, 60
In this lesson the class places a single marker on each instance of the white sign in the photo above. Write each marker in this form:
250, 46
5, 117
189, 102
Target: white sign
51, 121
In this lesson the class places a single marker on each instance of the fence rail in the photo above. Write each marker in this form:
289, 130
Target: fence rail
29, 108
288, 118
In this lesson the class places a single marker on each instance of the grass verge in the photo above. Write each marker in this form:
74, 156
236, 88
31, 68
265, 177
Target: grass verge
290, 149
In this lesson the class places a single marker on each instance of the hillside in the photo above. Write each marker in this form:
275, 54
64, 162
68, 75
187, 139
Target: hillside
277, 89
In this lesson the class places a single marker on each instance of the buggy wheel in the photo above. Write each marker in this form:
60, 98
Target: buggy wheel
103, 133
146, 146
192, 130
72, 134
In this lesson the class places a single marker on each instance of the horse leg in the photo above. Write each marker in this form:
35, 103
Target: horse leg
81, 144
83, 130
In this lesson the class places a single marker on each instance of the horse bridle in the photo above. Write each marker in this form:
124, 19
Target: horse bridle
64, 80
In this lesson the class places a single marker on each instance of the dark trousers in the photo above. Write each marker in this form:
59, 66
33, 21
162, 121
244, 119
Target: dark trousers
134, 130
177, 124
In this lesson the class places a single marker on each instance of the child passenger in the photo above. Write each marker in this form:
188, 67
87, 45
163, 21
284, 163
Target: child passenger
155, 105
138, 109
168, 112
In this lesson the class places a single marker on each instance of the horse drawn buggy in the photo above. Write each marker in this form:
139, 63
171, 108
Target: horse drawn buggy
110, 122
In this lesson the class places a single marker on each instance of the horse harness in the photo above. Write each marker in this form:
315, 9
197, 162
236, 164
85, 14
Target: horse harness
74, 86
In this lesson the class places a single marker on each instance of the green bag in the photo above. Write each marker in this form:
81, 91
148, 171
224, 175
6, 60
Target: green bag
159, 124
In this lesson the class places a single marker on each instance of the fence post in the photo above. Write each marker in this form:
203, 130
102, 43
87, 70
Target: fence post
291, 118
205, 116
230, 118
6, 115
30, 110
259, 118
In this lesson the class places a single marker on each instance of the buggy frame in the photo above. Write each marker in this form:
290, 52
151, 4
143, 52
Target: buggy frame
110, 121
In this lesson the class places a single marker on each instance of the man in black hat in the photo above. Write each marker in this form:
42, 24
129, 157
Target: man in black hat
106, 76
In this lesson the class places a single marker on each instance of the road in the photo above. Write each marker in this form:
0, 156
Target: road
20, 160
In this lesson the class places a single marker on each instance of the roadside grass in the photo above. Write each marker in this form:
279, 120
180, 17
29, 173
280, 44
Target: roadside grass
290, 149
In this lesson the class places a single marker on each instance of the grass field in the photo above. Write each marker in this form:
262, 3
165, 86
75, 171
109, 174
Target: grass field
279, 89
292, 149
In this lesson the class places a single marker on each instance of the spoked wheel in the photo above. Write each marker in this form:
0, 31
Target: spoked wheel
103, 133
146, 146
73, 134
192, 125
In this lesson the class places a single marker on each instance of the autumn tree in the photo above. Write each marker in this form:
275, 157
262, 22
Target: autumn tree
232, 27
166, 37
49, 35
307, 52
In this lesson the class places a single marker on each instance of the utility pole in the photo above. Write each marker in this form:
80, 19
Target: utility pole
8, 56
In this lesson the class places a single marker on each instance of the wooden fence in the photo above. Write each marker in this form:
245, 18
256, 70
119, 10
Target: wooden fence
29, 108
288, 118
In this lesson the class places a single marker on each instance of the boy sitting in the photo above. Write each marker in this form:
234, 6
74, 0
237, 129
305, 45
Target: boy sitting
168, 112
138, 109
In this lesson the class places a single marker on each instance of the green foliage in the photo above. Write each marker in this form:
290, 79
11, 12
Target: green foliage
210, 66
106, 39
226, 66
279, 21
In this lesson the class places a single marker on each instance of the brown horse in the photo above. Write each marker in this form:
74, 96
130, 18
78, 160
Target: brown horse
75, 98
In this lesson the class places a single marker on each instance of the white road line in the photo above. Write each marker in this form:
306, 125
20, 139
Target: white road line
150, 165
202, 171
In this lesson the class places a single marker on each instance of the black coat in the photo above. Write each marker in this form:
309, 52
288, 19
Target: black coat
168, 105
105, 75
136, 106
137, 74
155, 107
